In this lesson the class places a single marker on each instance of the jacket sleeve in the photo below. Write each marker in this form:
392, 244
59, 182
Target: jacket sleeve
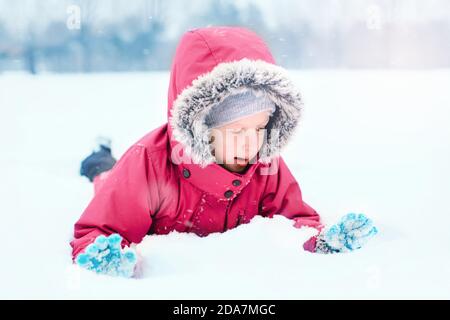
121, 203
282, 195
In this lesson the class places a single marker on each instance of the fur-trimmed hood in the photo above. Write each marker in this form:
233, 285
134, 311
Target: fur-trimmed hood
214, 62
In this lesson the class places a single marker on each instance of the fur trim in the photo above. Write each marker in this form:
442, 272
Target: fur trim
227, 78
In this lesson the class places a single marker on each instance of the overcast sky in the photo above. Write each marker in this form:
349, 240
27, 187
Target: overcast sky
17, 15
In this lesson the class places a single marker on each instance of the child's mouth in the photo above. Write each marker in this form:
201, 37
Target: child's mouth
242, 161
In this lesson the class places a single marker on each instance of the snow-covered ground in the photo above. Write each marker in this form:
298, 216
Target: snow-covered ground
370, 141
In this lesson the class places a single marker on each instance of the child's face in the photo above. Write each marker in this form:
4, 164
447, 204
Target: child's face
237, 143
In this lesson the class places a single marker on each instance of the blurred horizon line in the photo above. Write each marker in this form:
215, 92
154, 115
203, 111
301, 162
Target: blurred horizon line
121, 36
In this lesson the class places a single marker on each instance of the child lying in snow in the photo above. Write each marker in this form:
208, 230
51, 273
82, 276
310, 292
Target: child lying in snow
213, 166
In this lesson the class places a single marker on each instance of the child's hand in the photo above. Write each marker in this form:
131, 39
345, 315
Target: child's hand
106, 256
350, 233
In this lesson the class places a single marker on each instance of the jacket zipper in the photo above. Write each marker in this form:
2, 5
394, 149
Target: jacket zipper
225, 228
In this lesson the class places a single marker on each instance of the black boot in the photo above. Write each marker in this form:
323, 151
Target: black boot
99, 161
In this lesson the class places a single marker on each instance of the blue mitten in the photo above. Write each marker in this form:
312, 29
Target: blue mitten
106, 256
350, 233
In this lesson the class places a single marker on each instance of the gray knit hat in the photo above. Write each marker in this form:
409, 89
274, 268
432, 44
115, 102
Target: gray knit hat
237, 106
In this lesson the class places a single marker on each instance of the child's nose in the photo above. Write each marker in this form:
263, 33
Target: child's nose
247, 146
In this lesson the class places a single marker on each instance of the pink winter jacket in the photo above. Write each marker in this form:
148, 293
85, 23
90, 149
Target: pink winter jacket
168, 180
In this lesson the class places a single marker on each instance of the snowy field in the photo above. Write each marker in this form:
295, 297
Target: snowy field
375, 142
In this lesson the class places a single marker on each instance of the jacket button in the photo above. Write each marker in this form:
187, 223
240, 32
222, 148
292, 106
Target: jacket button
236, 183
186, 173
228, 194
